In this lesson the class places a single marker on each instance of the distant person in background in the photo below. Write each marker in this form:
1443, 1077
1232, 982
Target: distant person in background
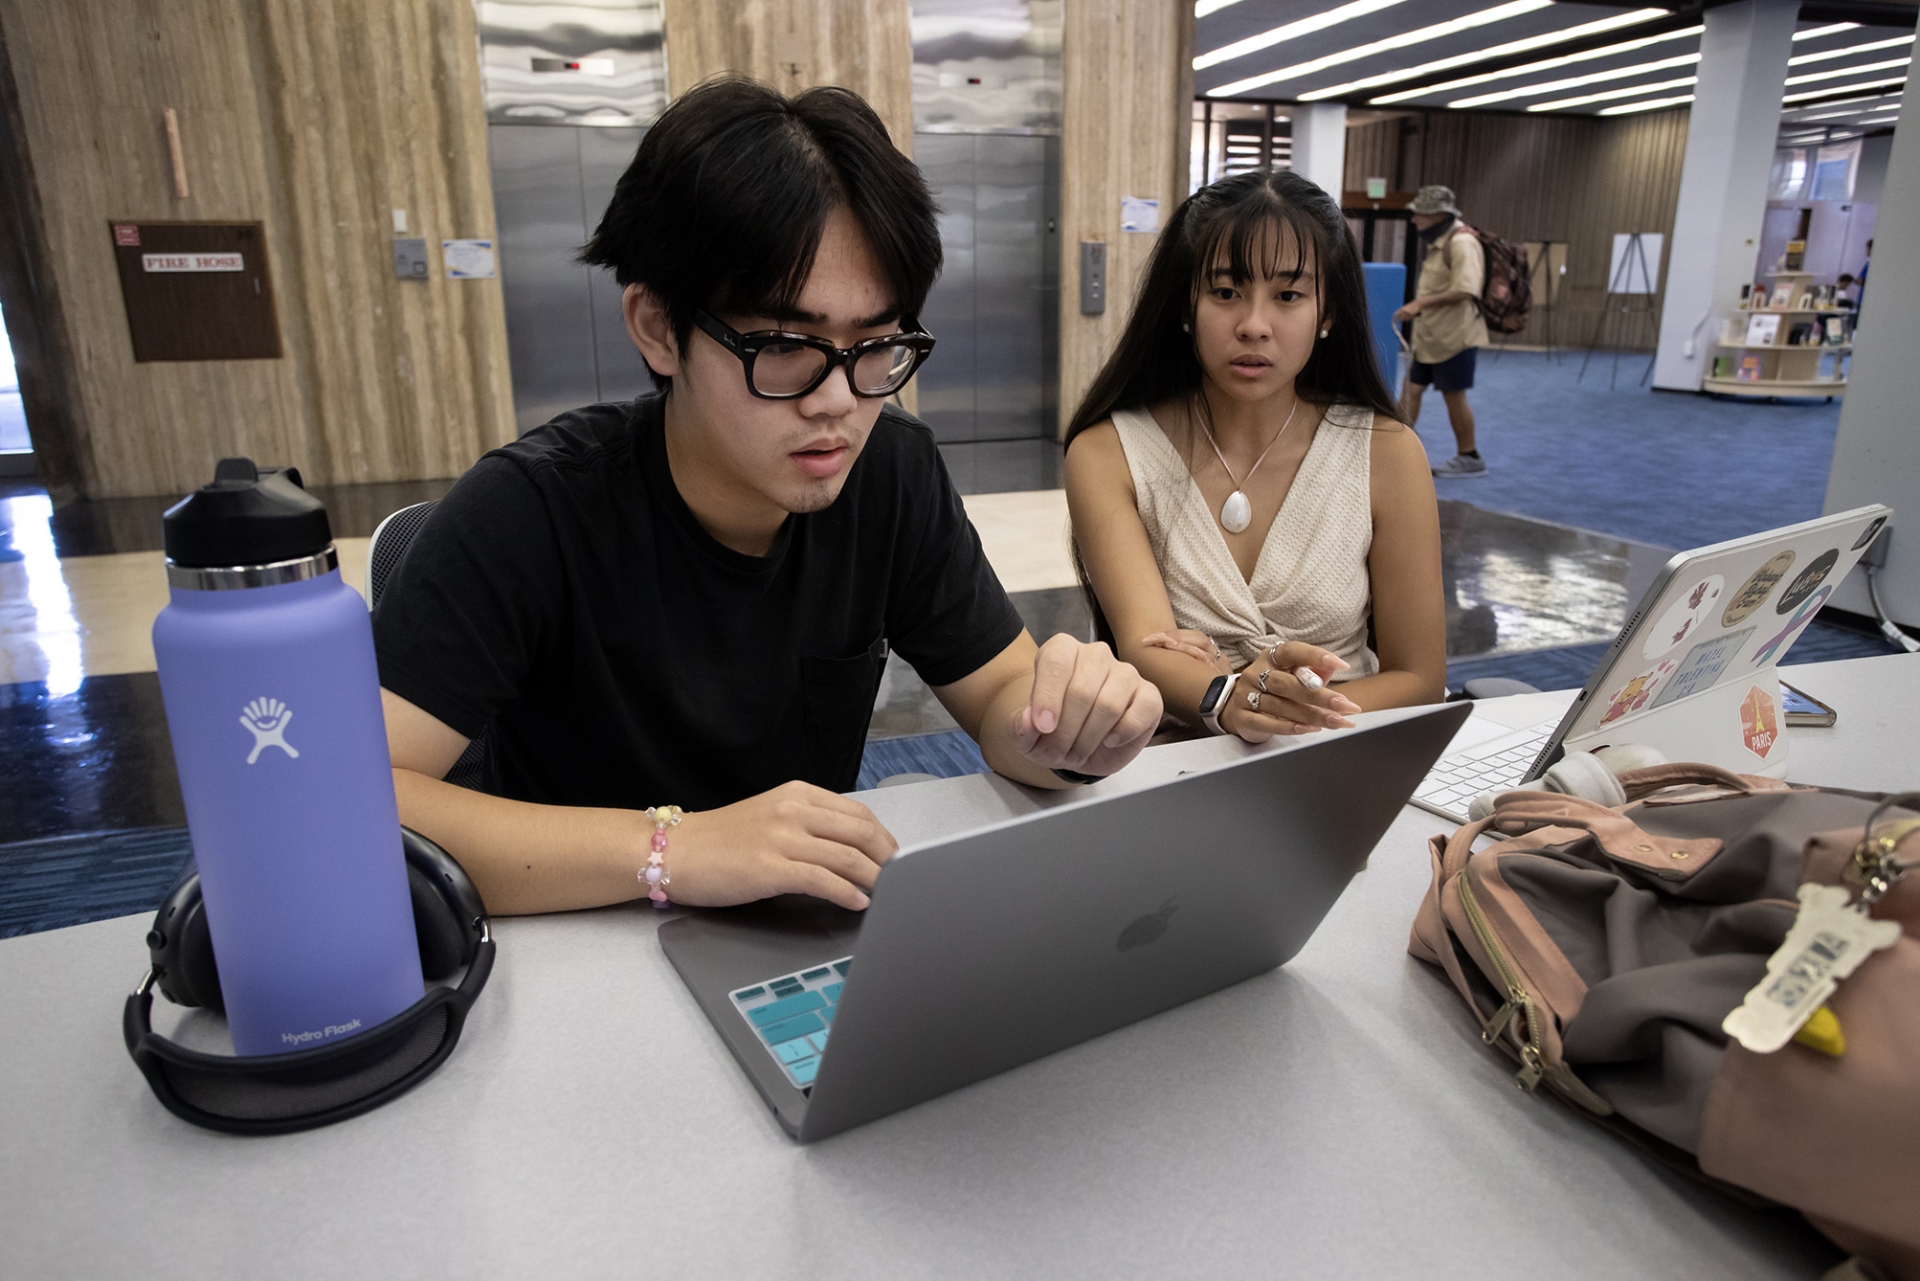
1448, 330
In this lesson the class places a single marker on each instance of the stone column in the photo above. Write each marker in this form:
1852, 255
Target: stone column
1876, 455
1320, 144
1723, 182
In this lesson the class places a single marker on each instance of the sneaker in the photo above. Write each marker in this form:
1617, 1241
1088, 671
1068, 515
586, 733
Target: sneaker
1460, 467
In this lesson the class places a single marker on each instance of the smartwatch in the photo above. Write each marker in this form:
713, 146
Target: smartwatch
1214, 701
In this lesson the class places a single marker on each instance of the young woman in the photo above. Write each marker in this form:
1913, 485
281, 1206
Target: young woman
1244, 502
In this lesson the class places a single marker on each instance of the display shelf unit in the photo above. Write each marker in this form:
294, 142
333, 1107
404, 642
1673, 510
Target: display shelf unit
1784, 369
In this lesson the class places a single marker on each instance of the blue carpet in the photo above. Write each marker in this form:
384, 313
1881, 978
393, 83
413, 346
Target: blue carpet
947, 755
1659, 467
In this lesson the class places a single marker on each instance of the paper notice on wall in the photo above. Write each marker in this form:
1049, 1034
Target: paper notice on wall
1636, 262
468, 259
1139, 215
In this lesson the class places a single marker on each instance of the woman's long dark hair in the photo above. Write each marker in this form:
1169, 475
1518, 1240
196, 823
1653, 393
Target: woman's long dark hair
1155, 360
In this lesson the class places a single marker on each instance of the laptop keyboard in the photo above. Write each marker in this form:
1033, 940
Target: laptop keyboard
793, 1014
1488, 767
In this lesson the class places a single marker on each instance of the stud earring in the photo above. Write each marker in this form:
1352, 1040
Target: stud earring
1185, 328
1326, 331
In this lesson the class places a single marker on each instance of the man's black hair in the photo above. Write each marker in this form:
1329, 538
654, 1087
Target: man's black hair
725, 202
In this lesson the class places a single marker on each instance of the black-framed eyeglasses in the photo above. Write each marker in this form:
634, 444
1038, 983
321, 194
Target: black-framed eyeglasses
784, 366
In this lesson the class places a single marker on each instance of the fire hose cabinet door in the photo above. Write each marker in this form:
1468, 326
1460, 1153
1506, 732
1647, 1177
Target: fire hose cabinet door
196, 290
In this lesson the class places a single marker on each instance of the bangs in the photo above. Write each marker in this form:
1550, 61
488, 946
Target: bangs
1265, 237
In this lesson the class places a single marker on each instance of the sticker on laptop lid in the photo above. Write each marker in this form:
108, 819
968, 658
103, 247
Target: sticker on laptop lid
1828, 941
1759, 722
1703, 665
1754, 592
1637, 692
1807, 580
1684, 616
1781, 643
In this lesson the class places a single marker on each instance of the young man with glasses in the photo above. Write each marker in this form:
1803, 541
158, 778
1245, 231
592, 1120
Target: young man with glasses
688, 600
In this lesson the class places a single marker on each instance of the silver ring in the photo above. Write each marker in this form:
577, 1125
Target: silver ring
1261, 679
1253, 699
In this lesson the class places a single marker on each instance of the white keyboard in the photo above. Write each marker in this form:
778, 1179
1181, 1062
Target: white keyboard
1496, 765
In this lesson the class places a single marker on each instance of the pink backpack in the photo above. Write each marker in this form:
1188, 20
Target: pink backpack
1602, 950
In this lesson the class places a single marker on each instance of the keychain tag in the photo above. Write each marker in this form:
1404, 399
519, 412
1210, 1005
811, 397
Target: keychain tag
1829, 939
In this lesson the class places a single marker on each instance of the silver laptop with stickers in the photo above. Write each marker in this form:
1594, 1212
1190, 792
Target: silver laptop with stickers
1693, 671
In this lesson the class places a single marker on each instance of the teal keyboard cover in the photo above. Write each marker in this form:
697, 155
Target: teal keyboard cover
793, 1014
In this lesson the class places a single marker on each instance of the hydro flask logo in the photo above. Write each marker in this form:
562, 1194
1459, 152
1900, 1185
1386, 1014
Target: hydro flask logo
266, 719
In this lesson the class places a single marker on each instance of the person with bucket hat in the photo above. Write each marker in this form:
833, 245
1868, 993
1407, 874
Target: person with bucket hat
1448, 329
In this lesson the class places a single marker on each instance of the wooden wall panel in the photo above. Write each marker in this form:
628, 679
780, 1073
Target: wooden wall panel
862, 45
1126, 119
316, 120
1577, 179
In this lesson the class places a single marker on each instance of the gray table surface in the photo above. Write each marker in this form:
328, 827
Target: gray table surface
1334, 1118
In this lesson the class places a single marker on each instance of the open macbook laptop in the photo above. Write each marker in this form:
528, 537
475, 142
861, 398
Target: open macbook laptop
1693, 671
996, 947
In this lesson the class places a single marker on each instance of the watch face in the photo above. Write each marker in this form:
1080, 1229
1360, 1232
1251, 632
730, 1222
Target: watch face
1211, 699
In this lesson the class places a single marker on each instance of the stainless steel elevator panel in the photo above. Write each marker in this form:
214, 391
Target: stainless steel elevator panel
1013, 309
994, 309
604, 156
541, 224
946, 381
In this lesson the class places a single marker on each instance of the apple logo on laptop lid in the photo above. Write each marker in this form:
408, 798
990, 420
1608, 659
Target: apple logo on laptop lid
1147, 929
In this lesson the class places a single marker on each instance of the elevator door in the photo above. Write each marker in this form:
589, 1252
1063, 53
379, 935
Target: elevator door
994, 310
566, 339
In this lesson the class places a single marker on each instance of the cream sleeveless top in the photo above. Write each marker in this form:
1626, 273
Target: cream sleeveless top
1310, 582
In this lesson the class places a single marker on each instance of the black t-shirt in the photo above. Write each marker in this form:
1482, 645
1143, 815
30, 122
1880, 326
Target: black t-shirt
563, 600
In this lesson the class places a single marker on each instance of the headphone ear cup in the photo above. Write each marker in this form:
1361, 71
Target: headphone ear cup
180, 948
1582, 774
443, 942
447, 910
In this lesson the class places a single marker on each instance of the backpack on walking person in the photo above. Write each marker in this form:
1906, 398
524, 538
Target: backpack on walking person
1507, 296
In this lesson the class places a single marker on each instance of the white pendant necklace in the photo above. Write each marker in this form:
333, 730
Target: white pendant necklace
1237, 512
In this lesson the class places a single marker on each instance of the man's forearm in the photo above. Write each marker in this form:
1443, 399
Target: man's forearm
525, 857
1446, 299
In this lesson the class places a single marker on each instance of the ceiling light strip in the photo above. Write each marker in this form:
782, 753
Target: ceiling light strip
1864, 84
1838, 72
1466, 22
1831, 54
1834, 29
1527, 45
1650, 105
1609, 95
1545, 64
1575, 82
1847, 102
1292, 31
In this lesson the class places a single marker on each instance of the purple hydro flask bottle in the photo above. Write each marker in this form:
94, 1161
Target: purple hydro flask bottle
273, 702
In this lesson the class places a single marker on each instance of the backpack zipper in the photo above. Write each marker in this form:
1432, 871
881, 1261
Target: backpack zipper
1518, 1001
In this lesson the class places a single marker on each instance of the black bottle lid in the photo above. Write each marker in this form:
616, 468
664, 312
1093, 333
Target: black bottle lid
248, 516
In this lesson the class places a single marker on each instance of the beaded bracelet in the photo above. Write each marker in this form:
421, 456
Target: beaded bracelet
655, 875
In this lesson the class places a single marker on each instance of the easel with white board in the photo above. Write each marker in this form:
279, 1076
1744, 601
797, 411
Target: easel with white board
1630, 288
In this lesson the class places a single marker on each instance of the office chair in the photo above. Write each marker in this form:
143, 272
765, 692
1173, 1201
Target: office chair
385, 550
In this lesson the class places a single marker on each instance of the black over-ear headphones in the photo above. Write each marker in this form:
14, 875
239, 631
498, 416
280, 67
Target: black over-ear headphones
281, 1093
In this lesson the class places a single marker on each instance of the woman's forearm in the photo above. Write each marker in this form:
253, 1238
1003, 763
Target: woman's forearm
1182, 681
1393, 689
